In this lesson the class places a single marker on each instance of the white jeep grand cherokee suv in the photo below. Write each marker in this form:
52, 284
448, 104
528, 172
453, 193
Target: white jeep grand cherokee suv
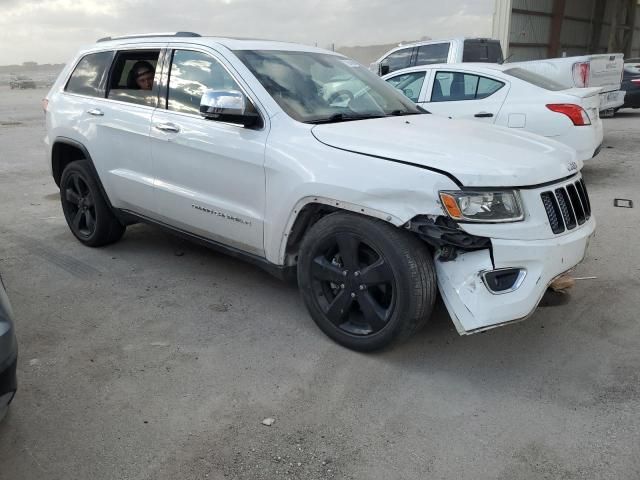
302, 160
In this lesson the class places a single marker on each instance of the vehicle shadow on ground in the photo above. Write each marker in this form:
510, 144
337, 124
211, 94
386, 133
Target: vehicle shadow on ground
438, 344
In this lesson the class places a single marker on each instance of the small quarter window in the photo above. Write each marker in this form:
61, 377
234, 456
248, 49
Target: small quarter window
88, 78
134, 78
487, 87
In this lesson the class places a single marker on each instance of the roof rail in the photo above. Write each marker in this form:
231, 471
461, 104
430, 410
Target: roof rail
145, 35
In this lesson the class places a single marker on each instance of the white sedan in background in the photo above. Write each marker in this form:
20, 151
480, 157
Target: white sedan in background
507, 96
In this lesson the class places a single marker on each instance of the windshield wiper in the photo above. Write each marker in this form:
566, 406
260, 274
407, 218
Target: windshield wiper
341, 117
399, 113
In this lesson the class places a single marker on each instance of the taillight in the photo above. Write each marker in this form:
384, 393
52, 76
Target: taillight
581, 74
575, 112
636, 81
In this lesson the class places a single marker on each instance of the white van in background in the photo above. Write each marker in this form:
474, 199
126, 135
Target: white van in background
586, 71
454, 50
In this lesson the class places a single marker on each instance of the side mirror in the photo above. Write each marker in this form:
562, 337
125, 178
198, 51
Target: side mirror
384, 69
230, 106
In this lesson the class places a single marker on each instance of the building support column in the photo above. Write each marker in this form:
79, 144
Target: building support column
596, 31
556, 28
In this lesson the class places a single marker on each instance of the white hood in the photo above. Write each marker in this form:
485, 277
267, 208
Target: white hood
474, 153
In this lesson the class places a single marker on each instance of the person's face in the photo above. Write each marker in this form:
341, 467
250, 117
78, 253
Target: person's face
144, 79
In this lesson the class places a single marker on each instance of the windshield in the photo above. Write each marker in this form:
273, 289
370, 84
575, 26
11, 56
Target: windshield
535, 79
319, 88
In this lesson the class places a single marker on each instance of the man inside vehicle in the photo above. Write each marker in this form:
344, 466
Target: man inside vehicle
141, 76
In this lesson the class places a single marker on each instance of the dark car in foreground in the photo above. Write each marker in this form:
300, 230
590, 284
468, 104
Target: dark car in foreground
21, 82
8, 353
631, 85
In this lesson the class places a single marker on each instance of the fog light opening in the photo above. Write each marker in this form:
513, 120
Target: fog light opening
503, 280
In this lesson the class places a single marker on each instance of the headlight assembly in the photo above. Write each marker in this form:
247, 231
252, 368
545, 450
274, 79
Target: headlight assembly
483, 207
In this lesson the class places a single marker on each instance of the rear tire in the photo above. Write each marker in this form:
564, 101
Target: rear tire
365, 282
85, 209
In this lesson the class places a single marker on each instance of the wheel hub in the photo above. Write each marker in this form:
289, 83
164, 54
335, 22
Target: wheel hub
352, 283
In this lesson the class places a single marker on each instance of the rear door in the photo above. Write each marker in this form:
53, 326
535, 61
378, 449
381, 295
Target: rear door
459, 94
115, 129
122, 141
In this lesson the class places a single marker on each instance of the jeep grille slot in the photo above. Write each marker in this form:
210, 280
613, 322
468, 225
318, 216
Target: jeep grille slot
567, 206
577, 204
582, 191
553, 212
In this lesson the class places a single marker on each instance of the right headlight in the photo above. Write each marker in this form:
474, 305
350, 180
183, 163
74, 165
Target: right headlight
483, 206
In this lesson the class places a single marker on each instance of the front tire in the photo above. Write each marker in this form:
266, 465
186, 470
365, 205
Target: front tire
365, 282
85, 209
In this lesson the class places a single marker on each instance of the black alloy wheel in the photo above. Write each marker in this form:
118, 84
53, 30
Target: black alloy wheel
365, 282
353, 284
80, 205
87, 212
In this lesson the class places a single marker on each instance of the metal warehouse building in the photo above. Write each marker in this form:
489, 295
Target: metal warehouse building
535, 29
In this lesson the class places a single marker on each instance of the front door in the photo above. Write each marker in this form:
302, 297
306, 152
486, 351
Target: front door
209, 175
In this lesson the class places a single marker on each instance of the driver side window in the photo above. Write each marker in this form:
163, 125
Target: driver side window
409, 84
191, 74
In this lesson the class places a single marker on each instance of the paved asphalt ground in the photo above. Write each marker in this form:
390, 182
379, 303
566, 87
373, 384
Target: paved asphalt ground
158, 359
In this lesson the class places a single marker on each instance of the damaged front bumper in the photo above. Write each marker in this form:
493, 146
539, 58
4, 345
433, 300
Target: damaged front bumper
471, 304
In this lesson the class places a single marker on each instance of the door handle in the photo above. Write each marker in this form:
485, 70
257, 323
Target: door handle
167, 127
96, 112
483, 115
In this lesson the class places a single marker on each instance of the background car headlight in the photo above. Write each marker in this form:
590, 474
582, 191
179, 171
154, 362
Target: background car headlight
498, 206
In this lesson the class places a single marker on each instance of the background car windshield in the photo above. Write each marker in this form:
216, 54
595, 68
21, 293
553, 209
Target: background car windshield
312, 87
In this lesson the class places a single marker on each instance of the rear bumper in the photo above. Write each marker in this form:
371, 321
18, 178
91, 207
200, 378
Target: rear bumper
610, 100
586, 140
474, 308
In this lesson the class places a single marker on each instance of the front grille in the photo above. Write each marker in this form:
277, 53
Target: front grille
567, 206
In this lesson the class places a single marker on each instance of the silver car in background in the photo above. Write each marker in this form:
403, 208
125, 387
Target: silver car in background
8, 353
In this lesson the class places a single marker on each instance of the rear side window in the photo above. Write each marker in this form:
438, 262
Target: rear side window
487, 87
433, 53
398, 60
409, 83
535, 79
482, 51
192, 73
89, 75
133, 77
456, 86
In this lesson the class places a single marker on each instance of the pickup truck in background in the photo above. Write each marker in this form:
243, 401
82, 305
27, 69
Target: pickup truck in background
427, 52
586, 71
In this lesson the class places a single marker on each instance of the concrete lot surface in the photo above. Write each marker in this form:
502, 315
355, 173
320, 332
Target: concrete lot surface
158, 359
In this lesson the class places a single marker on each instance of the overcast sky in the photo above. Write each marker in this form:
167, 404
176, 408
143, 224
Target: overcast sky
49, 31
